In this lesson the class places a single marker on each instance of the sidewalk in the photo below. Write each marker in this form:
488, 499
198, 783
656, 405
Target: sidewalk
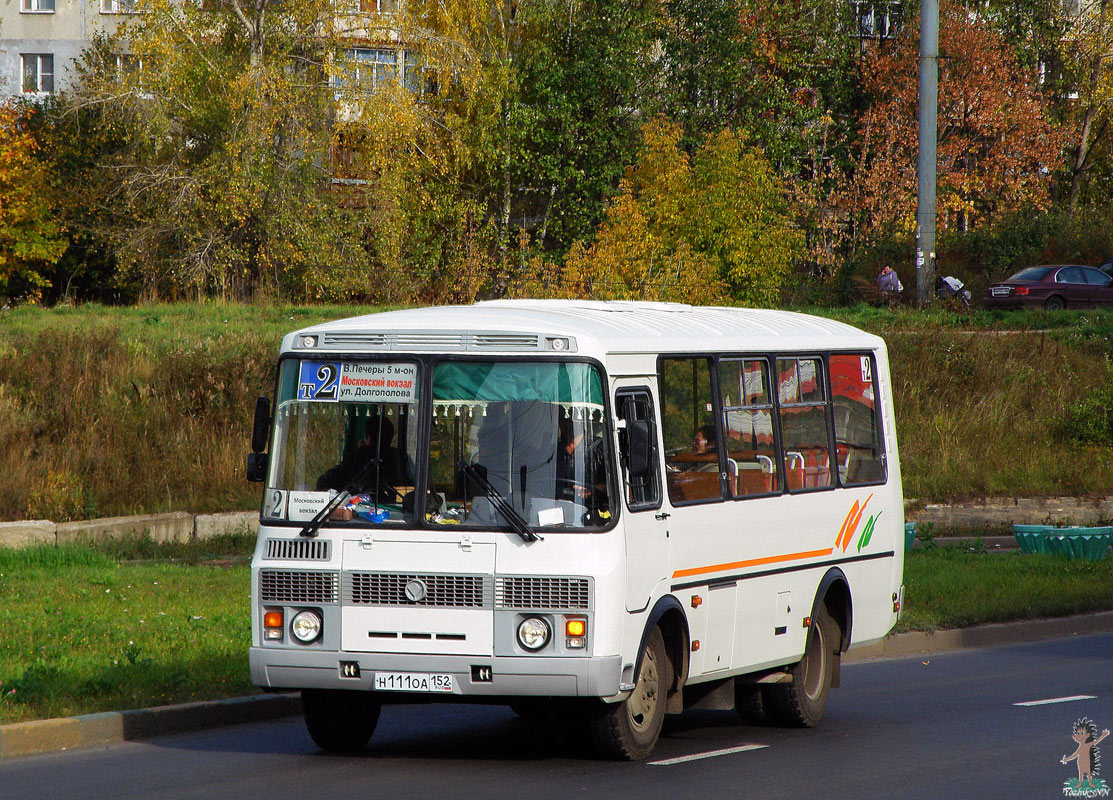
113, 727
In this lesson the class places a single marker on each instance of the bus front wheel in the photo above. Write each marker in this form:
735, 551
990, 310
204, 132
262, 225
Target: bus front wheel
339, 720
801, 703
628, 730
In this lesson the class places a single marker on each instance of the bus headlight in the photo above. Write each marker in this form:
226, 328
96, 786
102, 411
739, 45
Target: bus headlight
533, 633
306, 626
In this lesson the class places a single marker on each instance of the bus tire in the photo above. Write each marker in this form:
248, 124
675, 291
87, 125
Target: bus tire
628, 731
340, 720
801, 703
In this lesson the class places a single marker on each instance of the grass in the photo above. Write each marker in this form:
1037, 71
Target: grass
85, 632
951, 587
87, 629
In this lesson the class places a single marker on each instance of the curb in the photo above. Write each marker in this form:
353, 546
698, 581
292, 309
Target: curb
917, 643
112, 727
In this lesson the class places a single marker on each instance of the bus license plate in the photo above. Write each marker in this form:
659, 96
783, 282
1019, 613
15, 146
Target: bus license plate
414, 682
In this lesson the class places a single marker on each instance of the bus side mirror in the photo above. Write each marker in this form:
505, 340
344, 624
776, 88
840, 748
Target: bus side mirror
639, 448
257, 460
257, 467
261, 426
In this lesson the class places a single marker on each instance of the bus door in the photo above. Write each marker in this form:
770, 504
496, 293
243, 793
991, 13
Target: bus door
646, 524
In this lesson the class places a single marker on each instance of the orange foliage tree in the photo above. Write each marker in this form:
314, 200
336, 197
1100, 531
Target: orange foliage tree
996, 146
30, 238
702, 229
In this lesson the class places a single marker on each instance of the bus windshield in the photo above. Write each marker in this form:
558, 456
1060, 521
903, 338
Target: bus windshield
528, 434
344, 427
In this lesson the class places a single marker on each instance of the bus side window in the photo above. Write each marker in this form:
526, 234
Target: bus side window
804, 433
857, 427
642, 491
748, 427
690, 431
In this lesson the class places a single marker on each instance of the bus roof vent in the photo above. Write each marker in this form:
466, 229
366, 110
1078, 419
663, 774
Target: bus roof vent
447, 341
379, 340
428, 341
506, 341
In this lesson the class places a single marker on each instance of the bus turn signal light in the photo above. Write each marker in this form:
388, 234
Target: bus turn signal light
575, 627
272, 625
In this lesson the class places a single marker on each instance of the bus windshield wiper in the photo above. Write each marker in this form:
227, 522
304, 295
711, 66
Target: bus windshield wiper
314, 525
510, 514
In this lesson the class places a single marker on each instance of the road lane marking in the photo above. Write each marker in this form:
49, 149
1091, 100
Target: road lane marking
668, 762
1054, 700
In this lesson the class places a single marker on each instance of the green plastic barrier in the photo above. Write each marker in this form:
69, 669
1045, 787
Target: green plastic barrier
1090, 543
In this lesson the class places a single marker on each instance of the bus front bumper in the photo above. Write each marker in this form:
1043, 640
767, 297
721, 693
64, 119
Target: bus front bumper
473, 676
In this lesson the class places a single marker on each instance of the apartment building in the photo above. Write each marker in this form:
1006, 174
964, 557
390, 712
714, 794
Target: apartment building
41, 39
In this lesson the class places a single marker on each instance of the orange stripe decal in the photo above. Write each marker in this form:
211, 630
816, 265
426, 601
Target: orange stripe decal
753, 562
846, 524
854, 524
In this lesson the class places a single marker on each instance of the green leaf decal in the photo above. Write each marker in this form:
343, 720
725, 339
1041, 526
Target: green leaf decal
864, 539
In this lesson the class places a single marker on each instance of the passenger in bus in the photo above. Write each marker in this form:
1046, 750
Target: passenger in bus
703, 442
357, 472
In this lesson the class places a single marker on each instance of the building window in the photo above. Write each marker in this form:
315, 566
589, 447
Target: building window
118, 7
128, 66
37, 6
378, 6
38, 72
367, 68
877, 20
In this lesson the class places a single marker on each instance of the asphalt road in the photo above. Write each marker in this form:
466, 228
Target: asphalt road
944, 726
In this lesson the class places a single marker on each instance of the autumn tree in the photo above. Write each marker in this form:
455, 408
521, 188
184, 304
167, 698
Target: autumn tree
221, 185
31, 239
1088, 57
532, 116
705, 228
995, 143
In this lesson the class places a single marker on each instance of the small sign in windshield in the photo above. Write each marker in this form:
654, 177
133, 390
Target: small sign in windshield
357, 382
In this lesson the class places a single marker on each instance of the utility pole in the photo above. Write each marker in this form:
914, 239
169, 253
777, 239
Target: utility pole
925, 197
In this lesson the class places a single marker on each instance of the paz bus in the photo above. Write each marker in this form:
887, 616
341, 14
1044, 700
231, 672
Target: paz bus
615, 509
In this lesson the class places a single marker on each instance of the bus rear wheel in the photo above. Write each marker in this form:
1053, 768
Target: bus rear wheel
801, 703
628, 731
340, 720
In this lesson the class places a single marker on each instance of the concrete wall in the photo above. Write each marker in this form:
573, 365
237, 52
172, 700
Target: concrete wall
176, 527
998, 515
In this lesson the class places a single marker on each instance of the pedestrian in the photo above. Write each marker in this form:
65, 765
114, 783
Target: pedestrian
889, 285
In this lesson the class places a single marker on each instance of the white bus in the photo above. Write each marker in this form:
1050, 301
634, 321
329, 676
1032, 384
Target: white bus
622, 509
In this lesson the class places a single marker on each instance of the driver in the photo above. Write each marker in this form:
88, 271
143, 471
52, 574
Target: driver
579, 465
374, 461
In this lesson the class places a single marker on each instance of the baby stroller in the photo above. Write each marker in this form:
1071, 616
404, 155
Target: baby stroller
951, 287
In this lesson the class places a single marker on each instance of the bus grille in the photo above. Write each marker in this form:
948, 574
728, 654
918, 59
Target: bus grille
446, 591
280, 586
538, 593
298, 549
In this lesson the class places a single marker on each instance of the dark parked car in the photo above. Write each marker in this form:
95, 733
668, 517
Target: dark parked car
1107, 267
1051, 287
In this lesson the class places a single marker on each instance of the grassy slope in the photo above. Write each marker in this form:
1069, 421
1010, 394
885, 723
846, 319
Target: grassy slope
107, 411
